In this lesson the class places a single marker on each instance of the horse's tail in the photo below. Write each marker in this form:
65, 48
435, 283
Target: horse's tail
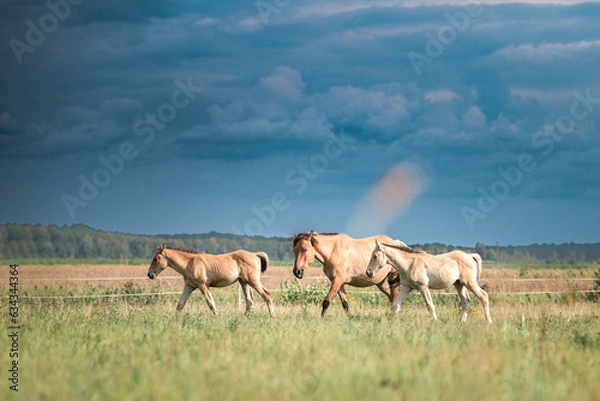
264, 261
478, 264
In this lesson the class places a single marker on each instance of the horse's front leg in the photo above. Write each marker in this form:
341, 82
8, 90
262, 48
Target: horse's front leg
344, 298
428, 301
208, 298
336, 284
404, 291
393, 279
390, 285
187, 291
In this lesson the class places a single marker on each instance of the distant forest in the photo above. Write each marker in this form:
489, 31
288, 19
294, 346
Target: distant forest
26, 241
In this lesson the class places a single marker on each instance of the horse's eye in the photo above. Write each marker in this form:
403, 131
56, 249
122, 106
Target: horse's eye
304, 250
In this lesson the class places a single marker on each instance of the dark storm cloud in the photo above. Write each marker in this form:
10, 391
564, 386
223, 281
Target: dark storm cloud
279, 84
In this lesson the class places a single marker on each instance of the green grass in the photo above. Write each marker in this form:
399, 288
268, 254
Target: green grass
138, 348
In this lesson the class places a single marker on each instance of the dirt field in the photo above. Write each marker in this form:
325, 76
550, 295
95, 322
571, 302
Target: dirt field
496, 280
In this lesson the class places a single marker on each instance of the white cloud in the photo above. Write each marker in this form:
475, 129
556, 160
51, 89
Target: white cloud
206, 22
474, 117
242, 25
279, 108
441, 96
370, 109
542, 53
284, 84
276, 108
319, 9
119, 106
541, 95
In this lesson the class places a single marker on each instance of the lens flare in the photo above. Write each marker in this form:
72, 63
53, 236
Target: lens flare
391, 196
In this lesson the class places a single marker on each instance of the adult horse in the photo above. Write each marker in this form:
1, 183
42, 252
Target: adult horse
422, 271
344, 262
201, 270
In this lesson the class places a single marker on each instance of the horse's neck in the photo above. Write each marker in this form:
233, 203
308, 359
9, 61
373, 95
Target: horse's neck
399, 258
177, 261
324, 248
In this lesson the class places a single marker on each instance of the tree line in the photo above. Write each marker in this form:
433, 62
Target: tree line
78, 241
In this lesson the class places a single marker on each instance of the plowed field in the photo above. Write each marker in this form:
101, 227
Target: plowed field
496, 280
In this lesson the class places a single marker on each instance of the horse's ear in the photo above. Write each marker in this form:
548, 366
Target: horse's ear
378, 246
161, 247
295, 236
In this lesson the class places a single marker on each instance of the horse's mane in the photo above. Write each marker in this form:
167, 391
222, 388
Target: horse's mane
187, 250
309, 234
405, 248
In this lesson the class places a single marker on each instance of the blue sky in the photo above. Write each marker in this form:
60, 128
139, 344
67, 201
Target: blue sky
444, 122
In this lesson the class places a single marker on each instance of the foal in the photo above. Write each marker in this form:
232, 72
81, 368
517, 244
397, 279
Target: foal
201, 270
422, 271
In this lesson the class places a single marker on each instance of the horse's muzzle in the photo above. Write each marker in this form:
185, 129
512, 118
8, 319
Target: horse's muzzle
298, 272
151, 275
370, 272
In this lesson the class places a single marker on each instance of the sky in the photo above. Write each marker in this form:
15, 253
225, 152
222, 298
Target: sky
430, 121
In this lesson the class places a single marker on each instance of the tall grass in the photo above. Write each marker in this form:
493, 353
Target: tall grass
138, 348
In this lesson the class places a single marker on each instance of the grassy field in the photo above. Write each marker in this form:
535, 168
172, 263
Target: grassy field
137, 348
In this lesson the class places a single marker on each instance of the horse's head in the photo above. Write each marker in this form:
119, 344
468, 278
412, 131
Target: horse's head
304, 253
159, 262
377, 261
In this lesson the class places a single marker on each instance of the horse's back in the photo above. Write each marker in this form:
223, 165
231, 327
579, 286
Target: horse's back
358, 252
467, 259
243, 257
468, 264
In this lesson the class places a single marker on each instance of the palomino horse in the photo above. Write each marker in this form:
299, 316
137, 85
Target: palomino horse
422, 271
344, 261
201, 270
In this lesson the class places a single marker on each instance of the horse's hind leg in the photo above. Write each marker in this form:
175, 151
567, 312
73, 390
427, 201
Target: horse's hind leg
248, 295
465, 302
208, 298
265, 294
485, 300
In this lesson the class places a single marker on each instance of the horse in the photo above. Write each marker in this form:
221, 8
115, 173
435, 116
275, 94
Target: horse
422, 271
344, 260
201, 270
